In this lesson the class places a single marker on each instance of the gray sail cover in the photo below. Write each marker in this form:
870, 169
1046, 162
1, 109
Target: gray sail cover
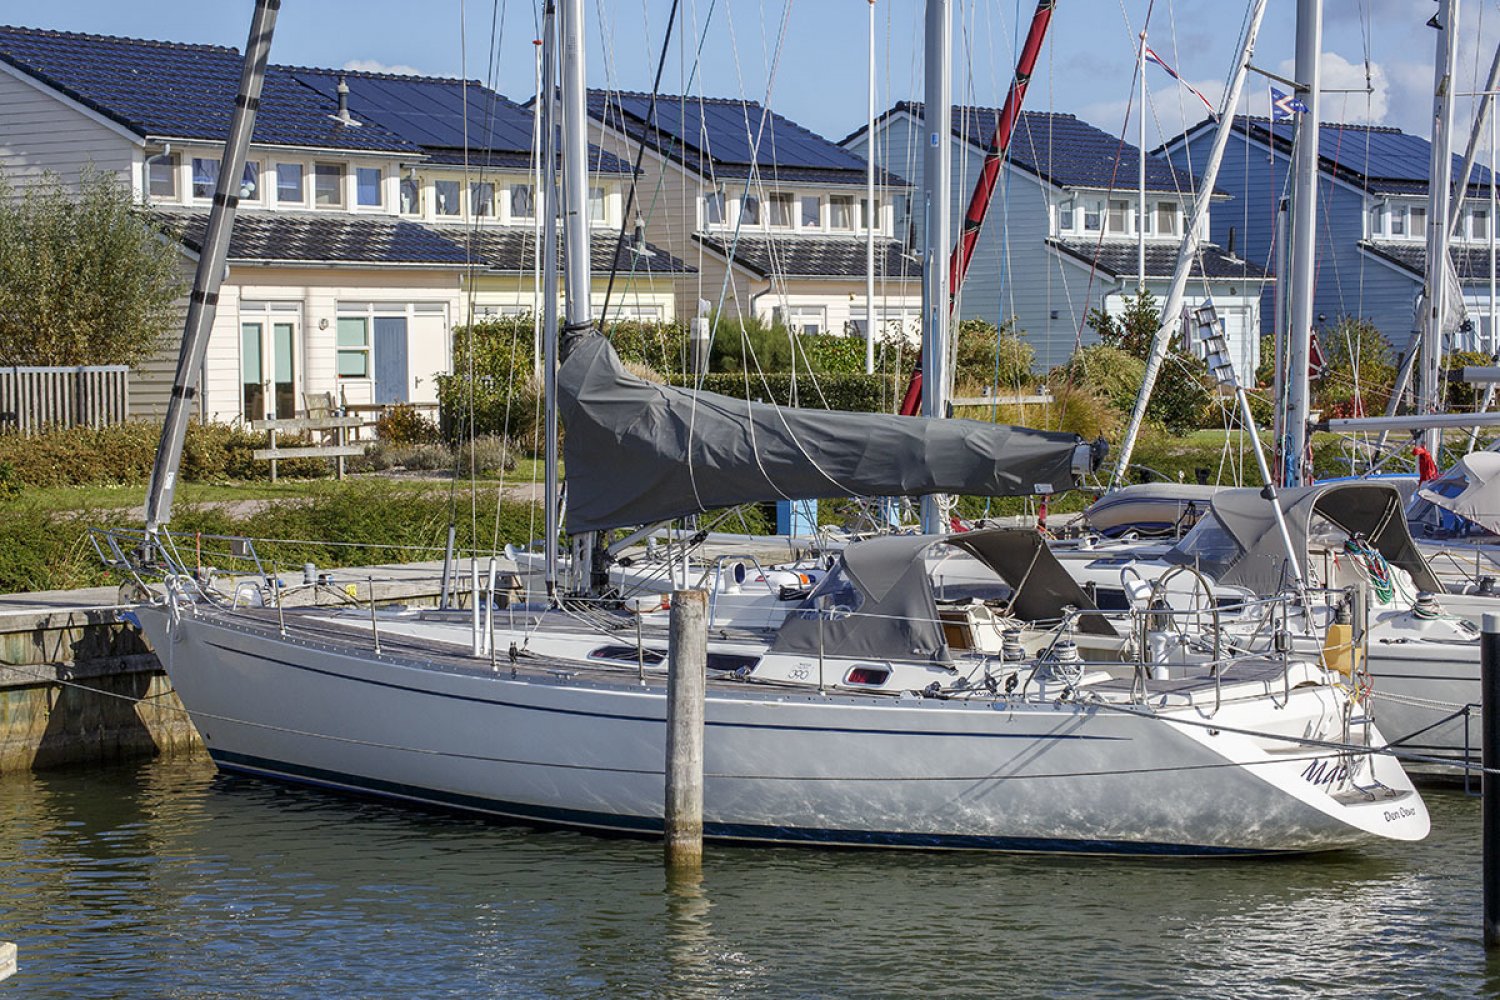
1371, 509
639, 452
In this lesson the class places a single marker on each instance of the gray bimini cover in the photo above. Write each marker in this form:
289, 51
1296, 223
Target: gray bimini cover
877, 603
1043, 590
639, 452
1371, 509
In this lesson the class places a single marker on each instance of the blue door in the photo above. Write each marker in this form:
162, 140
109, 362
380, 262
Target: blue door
391, 382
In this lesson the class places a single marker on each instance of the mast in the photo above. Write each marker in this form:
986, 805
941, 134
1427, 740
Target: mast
1439, 199
210, 273
1278, 341
871, 215
1302, 264
937, 182
1140, 205
578, 285
1194, 226
547, 212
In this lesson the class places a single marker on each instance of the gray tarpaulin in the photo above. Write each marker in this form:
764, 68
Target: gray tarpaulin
1471, 489
1371, 509
639, 452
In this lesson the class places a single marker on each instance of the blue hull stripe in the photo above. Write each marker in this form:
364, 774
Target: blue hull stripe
651, 826
658, 720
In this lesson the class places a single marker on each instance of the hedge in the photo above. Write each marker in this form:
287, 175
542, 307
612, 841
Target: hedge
858, 393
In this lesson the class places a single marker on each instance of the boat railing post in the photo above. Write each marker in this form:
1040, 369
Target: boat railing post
821, 617
447, 567
276, 589
489, 610
374, 623
477, 645
1489, 684
687, 663
640, 651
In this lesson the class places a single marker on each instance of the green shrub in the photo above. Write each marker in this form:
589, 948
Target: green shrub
490, 453
856, 393
1109, 371
405, 424
1354, 352
986, 355
1461, 395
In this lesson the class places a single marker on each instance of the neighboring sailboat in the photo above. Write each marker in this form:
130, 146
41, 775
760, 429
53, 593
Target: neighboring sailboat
1016, 718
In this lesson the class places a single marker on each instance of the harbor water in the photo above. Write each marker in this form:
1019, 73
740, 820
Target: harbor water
167, 879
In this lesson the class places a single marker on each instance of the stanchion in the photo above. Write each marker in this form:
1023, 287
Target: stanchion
687, 656
1489, 684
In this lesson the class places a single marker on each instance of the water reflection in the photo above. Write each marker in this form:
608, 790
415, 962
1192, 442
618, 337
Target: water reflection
167, 880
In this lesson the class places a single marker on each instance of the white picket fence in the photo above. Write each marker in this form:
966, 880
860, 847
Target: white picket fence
37, 399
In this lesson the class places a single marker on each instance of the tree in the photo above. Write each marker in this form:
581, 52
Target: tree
1133, 330
85, 279
1184, 391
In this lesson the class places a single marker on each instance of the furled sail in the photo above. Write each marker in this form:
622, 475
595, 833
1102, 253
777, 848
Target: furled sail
639, 452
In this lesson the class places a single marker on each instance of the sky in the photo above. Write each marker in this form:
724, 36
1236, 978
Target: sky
810, 56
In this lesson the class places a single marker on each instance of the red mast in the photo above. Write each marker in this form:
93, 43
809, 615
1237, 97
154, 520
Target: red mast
989, 176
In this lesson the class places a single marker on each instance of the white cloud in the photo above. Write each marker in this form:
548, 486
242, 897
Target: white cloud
1370, 107
376, 66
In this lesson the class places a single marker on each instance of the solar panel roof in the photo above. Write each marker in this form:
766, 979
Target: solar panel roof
172, 90
427, 111
725, 132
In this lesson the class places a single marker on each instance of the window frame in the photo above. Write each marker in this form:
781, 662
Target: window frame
1476, 213
846, 204
781, 203
1095, 211
362, 350
1118, 209
751, 211
481, 209
864, 215
530, 213
1168, 212
802, 204
1065, 210
440, 206
598, 203
319, 173
415, 184
171, 162
301, 198
359, 179
715, 203
212, 184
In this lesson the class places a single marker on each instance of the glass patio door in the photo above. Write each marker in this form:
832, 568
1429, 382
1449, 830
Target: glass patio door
268, 369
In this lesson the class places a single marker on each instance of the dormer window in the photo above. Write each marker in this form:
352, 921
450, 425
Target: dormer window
749, 210
1166, 218
1377, 219
779, 214
481, 199
1479, 224
867, 218
1065, 216
598, 206
1119, 210
205, 176
162, 176
841, 212
250, 182
1398, 220
522, 201
713, 208
445, 197
1418, 221
290, 188
1091, 217
368, 187
812, 212
411, 195
328, 185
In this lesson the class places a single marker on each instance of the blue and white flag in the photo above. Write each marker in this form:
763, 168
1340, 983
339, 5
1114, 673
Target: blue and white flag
1285, 107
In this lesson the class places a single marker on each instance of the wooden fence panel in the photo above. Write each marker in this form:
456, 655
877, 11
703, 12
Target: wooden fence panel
33, 400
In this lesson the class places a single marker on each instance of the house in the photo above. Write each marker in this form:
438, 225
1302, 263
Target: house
1372, 217
367, 227
1060, 238
772, 216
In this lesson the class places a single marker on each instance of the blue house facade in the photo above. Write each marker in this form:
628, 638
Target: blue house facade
1372, 218
1061, 236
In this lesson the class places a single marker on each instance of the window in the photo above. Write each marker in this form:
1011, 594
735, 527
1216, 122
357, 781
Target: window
841, 212
713, 208
162, 176
1398, 220
411, 196
205, 176
481, 199
868, 220
801, 319
522, 201
1065, 215
812, 211
598, 207
1418, 221
1479, 224
1091, 217
1377, 217
750, 210
250, 182
445, 197
779, 210
328, 185
1119, 210
289, 190
354, 347
1166, 218
368, 184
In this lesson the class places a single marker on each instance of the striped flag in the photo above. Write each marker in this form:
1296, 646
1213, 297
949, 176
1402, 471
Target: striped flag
1152, 57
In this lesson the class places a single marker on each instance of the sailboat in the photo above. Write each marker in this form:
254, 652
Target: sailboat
877, 714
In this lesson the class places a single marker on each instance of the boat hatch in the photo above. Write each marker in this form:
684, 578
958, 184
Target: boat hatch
868, 675
621, 653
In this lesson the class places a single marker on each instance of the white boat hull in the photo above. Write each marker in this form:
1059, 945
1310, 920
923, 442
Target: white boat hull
779, 766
